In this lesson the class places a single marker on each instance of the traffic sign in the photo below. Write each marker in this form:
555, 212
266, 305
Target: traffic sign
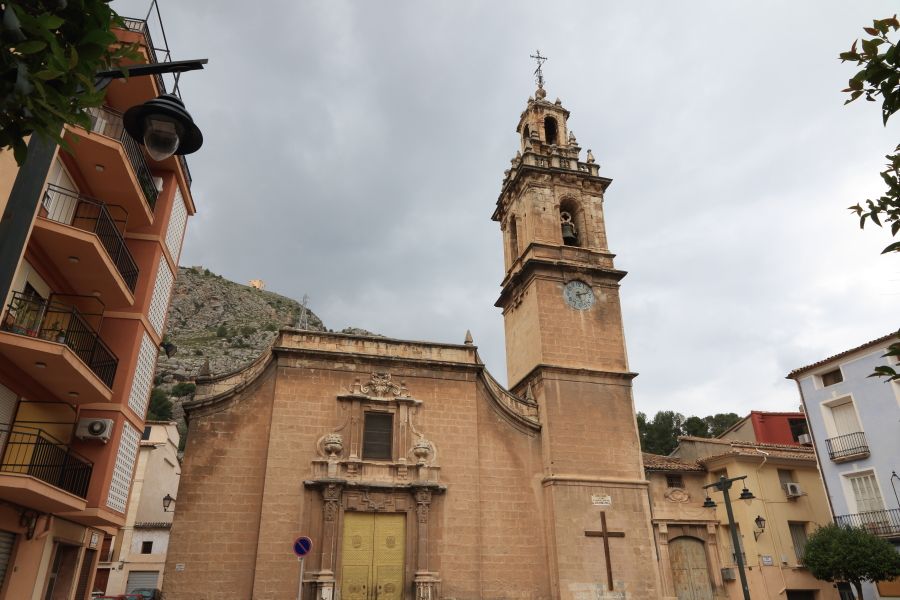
302, 546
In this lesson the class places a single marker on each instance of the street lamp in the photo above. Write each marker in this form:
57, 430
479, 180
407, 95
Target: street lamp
760, 526
163, 125
723, 485
167, 502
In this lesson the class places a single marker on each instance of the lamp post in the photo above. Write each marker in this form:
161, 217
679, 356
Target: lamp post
723, 485
162, 125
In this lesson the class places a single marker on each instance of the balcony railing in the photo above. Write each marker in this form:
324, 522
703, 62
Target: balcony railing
108, 122
57, 322
72, 208
843, 446
878, 522
32, 451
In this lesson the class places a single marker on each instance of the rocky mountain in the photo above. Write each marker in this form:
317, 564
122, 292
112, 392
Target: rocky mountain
219, 326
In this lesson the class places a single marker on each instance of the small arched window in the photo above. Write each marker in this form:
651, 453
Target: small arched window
550, 132
526, 134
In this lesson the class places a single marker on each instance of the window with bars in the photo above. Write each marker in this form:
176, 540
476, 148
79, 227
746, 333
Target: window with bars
378, 433
675, 481
786, 476
798, 537
832, 377
146, 547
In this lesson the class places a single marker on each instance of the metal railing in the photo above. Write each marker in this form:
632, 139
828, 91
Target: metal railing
72, 208
108, 122
843, 446
57, 322
879, 522
32, 451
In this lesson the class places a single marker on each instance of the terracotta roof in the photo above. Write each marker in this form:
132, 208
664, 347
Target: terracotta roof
800, 370
655, 462
804, 453
750, 445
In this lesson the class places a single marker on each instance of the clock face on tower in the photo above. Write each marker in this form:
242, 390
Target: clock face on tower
578, 295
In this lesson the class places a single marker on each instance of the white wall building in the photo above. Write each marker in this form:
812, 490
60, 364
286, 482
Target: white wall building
137, 556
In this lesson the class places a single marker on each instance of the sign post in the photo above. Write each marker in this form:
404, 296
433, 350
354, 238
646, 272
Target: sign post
302, 546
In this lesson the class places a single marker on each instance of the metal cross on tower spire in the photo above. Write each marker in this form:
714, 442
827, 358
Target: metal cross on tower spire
539, 73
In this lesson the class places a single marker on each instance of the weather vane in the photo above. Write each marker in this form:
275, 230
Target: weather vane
539, 73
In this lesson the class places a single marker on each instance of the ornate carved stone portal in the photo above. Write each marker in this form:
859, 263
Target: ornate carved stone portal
405, 483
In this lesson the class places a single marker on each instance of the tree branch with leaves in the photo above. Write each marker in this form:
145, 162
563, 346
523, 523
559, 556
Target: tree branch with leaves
50, 51
879, 78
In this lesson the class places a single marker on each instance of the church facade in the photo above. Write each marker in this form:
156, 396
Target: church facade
413, 471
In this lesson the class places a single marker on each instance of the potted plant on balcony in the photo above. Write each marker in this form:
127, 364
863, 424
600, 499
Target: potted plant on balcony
26, 318
60, 335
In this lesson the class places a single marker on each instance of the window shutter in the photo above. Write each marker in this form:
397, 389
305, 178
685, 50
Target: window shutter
378, 435
121, 478
159, 303
143, 377
177, 222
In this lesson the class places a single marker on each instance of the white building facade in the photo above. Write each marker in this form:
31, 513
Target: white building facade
135, 559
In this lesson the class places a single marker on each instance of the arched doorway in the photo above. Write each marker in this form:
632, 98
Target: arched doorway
690, 573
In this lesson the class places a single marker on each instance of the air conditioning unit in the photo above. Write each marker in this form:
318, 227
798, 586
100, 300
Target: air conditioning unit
792, 490
804, 438
728, 574
94, 429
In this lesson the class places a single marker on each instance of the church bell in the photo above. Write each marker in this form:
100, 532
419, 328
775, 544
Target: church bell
570, 238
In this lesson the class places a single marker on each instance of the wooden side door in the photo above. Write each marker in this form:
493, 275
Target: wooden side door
690, 573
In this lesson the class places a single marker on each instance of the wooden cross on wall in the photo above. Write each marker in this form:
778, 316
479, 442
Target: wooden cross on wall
605, 534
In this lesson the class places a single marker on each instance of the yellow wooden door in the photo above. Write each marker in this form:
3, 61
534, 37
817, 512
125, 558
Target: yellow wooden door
372, 557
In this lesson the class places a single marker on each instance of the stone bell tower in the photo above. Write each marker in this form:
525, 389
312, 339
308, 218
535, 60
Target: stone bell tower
565, 347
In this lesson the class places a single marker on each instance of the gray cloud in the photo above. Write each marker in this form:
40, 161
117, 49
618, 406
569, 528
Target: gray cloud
354, 151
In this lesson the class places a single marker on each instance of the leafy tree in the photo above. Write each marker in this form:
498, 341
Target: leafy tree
835, 553
720, 422
696, 427
660, 435
880, 77
160, 406
50, 51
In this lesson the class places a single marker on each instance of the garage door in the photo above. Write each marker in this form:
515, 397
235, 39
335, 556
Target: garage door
138, 580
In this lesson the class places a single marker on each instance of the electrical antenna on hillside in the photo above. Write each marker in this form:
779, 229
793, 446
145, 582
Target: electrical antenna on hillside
539, 72
303, 322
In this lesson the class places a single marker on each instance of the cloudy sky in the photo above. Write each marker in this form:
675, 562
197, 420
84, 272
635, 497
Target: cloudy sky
354, 152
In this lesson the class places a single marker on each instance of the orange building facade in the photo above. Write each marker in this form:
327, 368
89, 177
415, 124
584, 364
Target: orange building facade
79, 338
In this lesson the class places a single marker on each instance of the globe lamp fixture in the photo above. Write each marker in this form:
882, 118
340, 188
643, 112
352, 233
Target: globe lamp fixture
164, 127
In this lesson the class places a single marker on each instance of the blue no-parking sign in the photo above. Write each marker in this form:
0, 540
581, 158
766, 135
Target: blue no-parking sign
302, 546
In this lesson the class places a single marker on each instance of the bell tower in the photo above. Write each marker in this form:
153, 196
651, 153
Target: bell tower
565, 347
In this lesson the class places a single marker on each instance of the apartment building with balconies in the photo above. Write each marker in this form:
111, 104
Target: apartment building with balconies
854, 420
79, 337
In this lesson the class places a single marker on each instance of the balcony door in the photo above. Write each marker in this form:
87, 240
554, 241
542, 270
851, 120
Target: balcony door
845, 420
60, 207
866, 493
